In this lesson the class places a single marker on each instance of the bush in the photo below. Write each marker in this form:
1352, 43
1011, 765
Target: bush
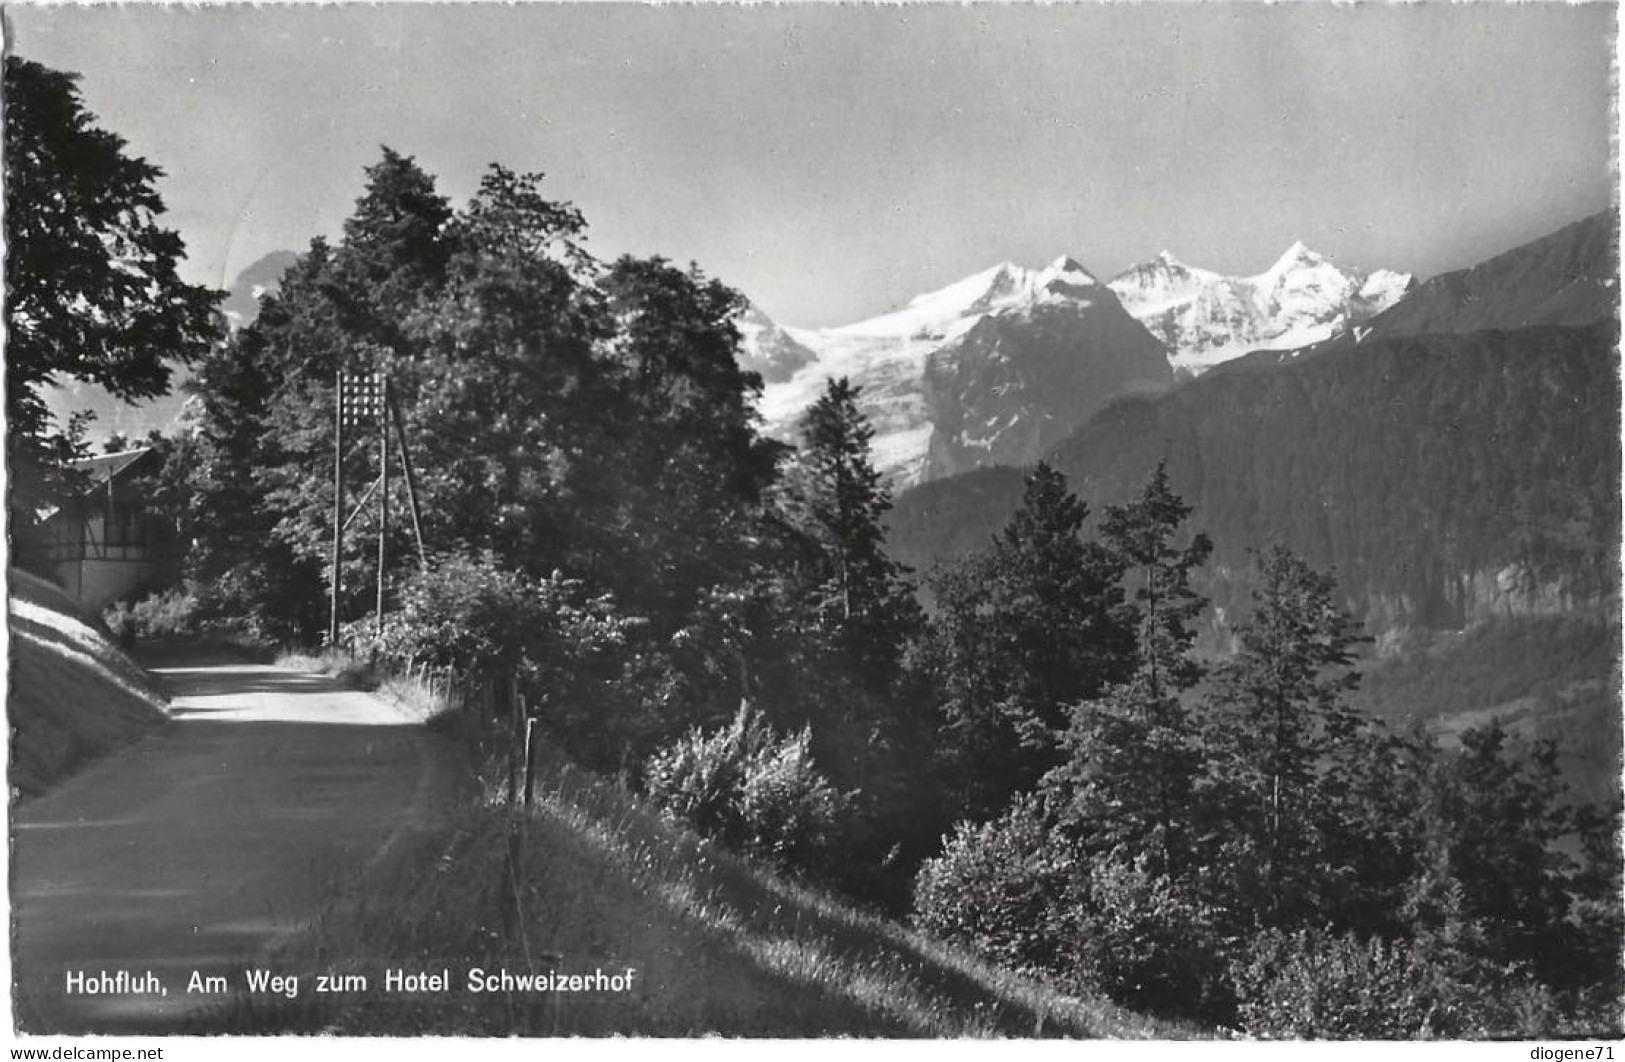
1008, 890
1311, 985
1314, 985
170, 614
751, 790
464, 612
1149, 942
699, 777
788, 810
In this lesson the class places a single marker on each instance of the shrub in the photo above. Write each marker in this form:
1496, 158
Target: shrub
464, 612
700, 776
752, 790
1312, 984
1007, 889
789, 811
568, 651
171, 614
1148, 941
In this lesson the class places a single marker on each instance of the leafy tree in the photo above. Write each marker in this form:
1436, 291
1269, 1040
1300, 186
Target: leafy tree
1025, 631
504, 395
688, 469
92, 287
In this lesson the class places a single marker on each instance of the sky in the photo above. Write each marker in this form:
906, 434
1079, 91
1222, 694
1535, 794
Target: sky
832, 161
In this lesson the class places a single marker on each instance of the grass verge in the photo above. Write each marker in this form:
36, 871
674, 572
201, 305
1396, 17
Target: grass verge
337, 663
73, 695
588, 880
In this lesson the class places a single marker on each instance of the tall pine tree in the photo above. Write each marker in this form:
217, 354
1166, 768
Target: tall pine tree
1025, 630
1278, 727
1135, 753
860, 601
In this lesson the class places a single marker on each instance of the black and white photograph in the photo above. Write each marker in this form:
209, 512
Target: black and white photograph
784, 522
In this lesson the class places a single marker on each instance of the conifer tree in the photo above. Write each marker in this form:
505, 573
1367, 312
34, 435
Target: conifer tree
1506, 820
263, 449
1135, 752
1025, 631
860, 600
1278, 725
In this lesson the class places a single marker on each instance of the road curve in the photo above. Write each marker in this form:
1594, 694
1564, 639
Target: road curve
195, 849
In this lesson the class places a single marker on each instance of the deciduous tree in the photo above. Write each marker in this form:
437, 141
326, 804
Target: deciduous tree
93, 291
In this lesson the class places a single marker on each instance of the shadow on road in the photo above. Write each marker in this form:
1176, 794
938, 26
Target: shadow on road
195, 850
240, 679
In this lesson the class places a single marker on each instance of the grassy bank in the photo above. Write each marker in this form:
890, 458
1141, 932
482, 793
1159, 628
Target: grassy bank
73, 694
588, 879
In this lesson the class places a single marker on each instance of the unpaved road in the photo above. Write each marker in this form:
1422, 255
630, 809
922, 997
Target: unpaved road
194, 850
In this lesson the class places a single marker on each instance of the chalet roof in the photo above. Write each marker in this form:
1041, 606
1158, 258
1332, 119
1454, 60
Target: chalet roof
104, 467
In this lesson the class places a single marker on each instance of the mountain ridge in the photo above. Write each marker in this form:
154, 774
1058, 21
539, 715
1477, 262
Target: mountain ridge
1447, 475
1206, 318
999, 365
993, 367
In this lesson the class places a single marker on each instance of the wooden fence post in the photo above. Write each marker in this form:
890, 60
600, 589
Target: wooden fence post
513, 754
530, 758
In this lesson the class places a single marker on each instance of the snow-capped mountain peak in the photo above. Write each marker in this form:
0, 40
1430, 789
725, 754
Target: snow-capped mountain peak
950, 310
994, 367
1206, 318
1068, 266
766, 348
1159, 283
1294, 257
1033, 349
1066, 278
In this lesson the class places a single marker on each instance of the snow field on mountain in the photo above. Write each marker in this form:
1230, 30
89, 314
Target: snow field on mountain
1203, 318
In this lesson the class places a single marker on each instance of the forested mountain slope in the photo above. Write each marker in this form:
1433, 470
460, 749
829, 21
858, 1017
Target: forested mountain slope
1448, 471
1446, 477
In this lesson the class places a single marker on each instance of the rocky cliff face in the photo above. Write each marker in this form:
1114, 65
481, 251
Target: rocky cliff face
767, 349
1019, 382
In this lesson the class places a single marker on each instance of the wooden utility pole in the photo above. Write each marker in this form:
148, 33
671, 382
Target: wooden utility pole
383, 494
411, 479
338, 506
364, 400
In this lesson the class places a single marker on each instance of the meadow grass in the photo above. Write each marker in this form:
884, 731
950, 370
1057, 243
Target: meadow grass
74, 695
588, 878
